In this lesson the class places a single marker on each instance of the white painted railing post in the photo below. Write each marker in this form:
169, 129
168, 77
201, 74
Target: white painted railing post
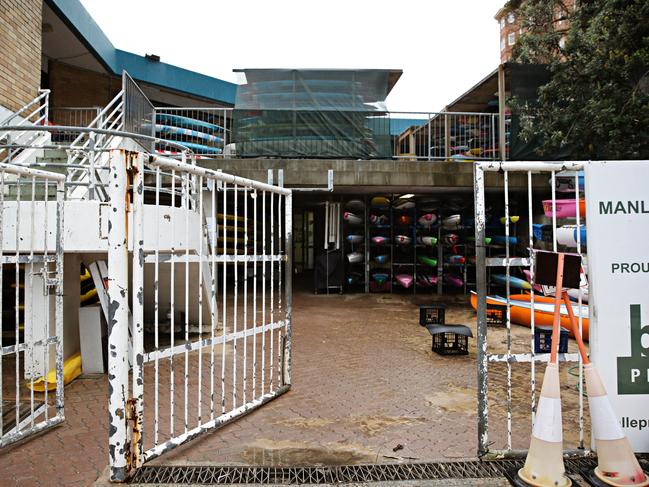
118, 389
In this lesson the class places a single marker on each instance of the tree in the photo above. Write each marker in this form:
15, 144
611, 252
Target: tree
596, 104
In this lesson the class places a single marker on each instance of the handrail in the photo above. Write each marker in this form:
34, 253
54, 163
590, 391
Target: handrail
28, 171
43, 94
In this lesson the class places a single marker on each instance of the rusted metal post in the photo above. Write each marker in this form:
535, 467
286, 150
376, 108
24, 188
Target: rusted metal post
481, 287
136, 421
118, 446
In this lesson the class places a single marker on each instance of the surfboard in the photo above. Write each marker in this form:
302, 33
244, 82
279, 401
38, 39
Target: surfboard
352, 218
402, 239
380, 240
514, 282
355, 257
565, 208
430, 241
404, 279
380, 202
354, 238
427, 260
427, 220
381, 259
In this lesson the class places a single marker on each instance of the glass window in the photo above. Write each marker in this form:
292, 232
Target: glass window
502, 23
511, 17
562, 42
511, 39
502, 44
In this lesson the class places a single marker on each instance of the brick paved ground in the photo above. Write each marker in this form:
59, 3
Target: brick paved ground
366, 388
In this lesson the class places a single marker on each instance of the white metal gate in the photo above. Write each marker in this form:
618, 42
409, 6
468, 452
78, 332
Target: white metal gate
210, 296
31, 301
543, 180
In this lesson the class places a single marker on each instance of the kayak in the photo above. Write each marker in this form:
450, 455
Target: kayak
404, 204
404, 279
455, 259
520, 310
450, 239
427, 260
380, 202
572, 293
380, 240
430, 241
515, 282
354, 238
402, 239
352, 218
355, 257
451, 222
380, 277
378, 219
512, 219
404, 220
453, 281
426, 280
502, 239
381, 259
565, 208
427, 220
355, 205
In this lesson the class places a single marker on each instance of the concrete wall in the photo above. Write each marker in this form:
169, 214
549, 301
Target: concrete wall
77, 87
376, 175
20, 52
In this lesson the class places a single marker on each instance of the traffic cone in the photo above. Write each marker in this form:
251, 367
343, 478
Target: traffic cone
616, 462
544, 463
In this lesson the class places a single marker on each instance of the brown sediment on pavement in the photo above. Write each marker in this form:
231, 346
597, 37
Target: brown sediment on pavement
295, 453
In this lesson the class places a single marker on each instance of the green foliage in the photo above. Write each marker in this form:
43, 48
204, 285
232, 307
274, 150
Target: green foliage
596, 105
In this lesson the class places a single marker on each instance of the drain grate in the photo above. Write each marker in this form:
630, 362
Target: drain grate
224, 475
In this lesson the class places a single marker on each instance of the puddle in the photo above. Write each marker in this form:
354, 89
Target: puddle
454, 399
374, 425
267, 452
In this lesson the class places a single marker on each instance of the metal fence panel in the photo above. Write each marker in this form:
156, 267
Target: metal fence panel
31, 279
210, 302
500, 399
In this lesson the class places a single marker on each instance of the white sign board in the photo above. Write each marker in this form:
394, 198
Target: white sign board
617, 211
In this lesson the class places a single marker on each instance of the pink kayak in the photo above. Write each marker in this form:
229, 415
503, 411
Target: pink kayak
426, 280
404, 279
450, 239
427, 220
380, 240
453, 281
565, 208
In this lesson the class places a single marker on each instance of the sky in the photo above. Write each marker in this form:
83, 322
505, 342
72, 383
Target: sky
444, 47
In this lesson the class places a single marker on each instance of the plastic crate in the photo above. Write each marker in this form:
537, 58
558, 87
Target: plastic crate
432, 314
496, 315
450, 339
543, 339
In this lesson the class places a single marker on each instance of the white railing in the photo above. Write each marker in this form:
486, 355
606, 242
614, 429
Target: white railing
34, 113
210, 259
31, 301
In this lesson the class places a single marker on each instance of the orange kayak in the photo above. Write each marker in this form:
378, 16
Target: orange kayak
521, 312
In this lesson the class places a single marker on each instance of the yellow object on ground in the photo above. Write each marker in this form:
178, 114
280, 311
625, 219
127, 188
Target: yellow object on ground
71, 370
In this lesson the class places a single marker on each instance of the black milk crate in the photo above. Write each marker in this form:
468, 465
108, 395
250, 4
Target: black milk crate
543, 339
496, 315
432, 314
450, 339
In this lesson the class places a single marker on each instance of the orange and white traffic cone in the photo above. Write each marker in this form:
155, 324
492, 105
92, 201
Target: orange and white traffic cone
544, 463
616, 462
